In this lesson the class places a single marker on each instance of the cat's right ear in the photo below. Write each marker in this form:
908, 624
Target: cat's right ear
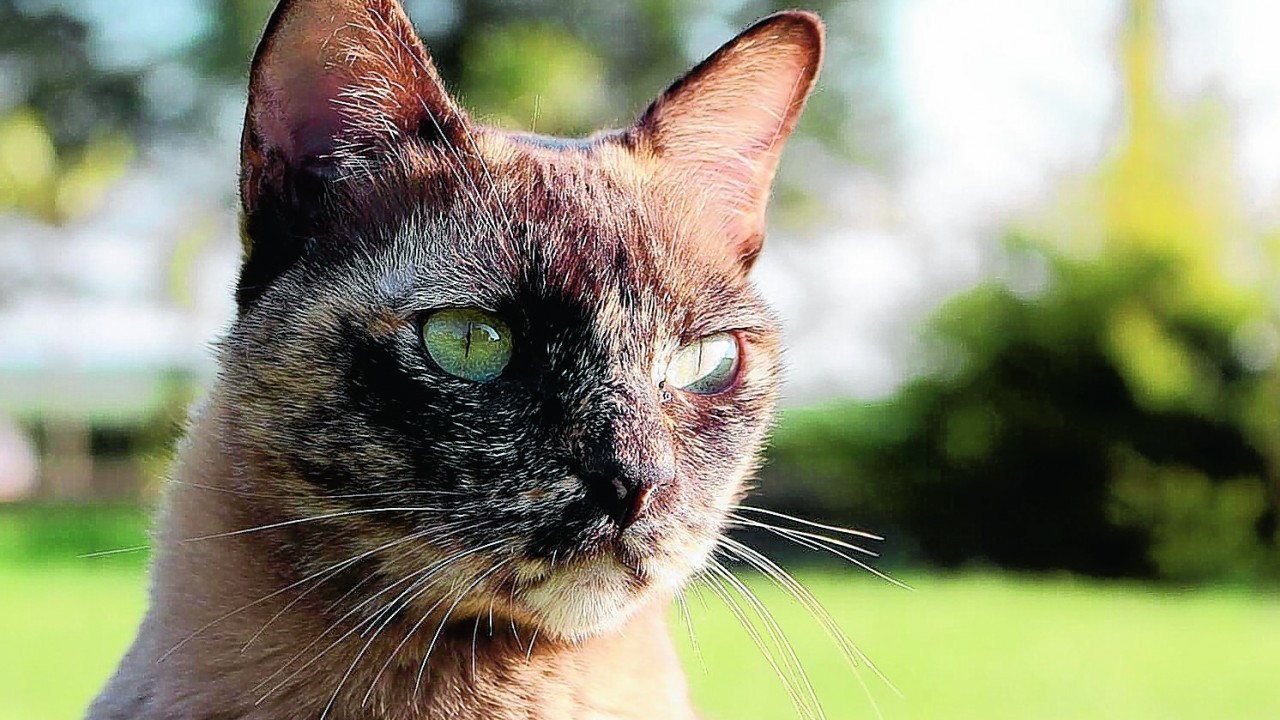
716, 135
335, 86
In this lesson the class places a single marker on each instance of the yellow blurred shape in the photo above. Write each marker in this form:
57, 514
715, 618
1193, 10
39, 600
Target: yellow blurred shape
82, 185
1159, 370
35, 181
28, 164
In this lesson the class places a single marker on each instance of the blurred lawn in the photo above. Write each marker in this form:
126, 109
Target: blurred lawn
978, 646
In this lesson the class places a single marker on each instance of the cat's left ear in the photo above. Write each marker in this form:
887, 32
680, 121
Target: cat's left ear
716, 135
337, 88
334, 80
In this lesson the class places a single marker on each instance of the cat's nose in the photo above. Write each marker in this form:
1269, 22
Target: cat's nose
623, 490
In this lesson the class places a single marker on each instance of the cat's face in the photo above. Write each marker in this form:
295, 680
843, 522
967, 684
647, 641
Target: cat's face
525, 377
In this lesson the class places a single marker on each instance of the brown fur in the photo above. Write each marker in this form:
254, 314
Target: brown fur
214, 676
351, 532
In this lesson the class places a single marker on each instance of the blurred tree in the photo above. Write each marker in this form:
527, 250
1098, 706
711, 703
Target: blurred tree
1101, 409
64, 120
48, 65
57, 59
35, 178
115, 74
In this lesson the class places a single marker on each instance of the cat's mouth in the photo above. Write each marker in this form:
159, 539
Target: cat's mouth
628, 564
600, 588
587, 596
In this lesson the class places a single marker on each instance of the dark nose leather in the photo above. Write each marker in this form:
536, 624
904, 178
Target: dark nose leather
626, 455
621, 488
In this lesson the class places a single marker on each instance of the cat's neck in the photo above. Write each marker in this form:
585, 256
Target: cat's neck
223, 639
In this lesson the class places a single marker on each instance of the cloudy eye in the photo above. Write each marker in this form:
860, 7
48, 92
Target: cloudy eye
468, 343
705, 366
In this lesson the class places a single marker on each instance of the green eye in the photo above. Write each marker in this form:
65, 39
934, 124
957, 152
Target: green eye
468, 343
707, 366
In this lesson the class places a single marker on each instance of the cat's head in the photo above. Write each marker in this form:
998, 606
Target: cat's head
526, 373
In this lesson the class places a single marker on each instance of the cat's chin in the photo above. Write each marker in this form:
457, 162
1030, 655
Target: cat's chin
593, 596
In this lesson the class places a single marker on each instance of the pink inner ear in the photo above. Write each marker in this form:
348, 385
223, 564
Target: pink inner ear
302, 120
743, 111
341, 78
730, 145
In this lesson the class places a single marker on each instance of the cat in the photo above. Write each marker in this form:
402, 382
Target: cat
488, 400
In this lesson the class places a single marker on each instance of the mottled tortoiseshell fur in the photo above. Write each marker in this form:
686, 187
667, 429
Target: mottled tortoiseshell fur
352, 463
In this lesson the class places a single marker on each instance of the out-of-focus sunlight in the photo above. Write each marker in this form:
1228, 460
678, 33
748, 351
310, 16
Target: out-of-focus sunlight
998, 102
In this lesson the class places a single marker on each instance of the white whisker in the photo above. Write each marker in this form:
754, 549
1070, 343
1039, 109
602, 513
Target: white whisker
715, 584
785, 580
302, 595
427, 658
810, 523
313, 518
422, 576
337, 567
688, 623
776, 632
823, 543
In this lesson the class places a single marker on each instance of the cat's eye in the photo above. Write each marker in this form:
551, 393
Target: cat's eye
705, 366
468, 343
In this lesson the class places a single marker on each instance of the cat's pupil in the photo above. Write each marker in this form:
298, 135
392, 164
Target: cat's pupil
467, 343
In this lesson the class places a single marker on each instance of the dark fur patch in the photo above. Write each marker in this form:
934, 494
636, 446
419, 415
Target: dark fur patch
601, 267
335, 461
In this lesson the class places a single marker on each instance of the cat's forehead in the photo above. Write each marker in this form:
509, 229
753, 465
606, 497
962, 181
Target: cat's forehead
572, 222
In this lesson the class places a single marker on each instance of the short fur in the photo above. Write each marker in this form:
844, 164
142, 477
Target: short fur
352, 532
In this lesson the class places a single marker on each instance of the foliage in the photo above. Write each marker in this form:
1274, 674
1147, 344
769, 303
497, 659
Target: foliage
1107, 406
37, 179
88, 70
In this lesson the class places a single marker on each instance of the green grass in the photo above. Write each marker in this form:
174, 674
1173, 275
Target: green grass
62, 630
978, 646
996, 647
57, 533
